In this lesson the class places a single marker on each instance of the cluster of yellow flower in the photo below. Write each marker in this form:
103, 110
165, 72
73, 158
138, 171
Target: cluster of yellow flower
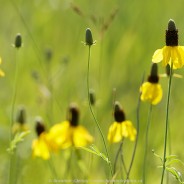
69, 133
171, 55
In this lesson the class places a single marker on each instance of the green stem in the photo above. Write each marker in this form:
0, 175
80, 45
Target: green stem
166, 123
12, 119
96, 121
136, 141
117, 155
146, 143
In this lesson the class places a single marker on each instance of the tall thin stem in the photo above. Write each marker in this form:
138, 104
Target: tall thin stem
91, 110
166, 123
146, 143
12, 118
136, 140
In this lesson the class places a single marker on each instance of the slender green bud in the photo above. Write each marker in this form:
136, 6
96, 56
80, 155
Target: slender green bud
89, 37
18, 40
119, 114
21, 116
92, 97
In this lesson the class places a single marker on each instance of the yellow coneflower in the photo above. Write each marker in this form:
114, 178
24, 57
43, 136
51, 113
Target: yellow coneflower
171, 54
121, 128
70, 133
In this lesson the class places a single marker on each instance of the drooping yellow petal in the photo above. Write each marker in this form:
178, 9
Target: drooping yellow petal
130, 130
151, 92
81, 136
157, 56
114, 134
40, 147
119, 130
61, 135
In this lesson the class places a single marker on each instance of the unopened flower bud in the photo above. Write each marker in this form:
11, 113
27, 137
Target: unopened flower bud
21, 116
92, 97
89, 37
18, 40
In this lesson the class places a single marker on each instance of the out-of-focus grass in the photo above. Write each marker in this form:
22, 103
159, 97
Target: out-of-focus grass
118, 60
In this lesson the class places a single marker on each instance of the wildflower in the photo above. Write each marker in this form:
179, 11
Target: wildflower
70, 133
171, 54
42, 146
151, 90
2, 74
20, 124
121, 127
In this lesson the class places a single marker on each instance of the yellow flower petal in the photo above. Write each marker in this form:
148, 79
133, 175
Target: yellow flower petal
170, 55
81, 136
157, 56
151, 92
40, 147
119, 130
64, 135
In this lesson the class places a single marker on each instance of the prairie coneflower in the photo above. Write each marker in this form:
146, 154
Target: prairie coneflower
151, 90
121, 128
70, 133
171, 54
42, 146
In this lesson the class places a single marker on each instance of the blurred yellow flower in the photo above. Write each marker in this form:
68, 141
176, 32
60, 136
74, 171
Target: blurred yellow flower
151, 92
121, 128
69, 133
168, 55
2, 74
42, 146
118, 130
65, 135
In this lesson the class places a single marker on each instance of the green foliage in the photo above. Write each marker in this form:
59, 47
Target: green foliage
94, 150
19, 137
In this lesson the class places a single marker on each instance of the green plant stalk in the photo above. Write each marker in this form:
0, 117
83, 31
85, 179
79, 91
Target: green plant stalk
166, 123
146, 143
12, 118
117, 155
136, 141
91, 110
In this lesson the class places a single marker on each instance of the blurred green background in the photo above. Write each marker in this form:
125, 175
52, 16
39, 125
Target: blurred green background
127, 34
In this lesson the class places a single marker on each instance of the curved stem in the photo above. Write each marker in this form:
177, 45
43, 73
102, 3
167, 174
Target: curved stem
96, 121
146, 143
166, 123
